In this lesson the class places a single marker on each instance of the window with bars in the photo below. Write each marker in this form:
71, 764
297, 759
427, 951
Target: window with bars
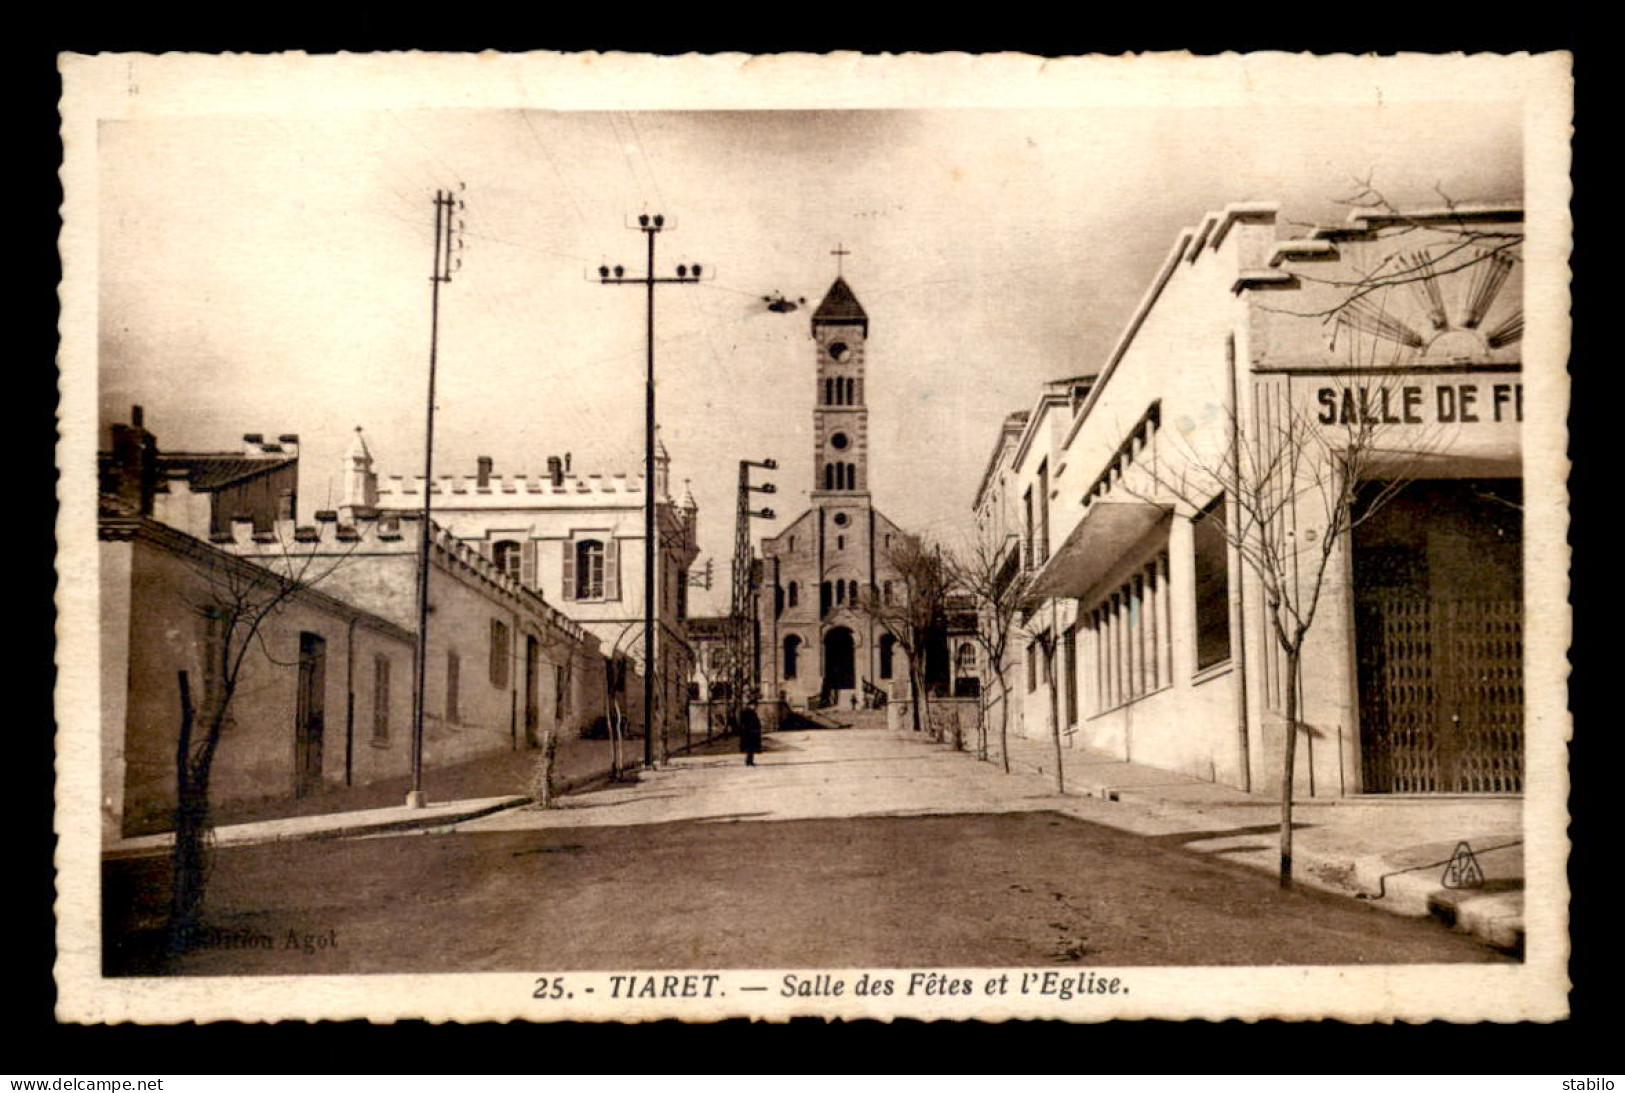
1131, 637
380, 699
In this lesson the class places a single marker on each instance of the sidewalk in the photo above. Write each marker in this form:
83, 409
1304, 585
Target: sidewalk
458, 793
1394, 852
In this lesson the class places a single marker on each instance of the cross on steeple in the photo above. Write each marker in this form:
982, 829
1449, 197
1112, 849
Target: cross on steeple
839, 252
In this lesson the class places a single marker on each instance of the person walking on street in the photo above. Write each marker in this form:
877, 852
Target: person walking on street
750, 734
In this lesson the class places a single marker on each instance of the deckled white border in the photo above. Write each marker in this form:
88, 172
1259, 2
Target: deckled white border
133, 85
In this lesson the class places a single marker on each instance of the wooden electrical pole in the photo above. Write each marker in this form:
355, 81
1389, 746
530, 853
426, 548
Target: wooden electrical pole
446, 241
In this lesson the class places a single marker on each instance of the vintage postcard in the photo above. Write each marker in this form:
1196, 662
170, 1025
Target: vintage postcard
609, 537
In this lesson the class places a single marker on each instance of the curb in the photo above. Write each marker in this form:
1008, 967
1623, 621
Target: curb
409, 824
1492, 917
351, 830
437, 819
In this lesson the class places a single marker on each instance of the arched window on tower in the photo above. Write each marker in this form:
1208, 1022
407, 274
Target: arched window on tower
794, 594
852, 592
792, 653
888, 648
850, 392
825, 592
829, 476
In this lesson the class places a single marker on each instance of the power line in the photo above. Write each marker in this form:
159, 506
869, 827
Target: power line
557, 174
620, 145
654, 179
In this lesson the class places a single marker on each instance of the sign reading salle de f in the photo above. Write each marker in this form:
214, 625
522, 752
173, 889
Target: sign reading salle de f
1440, 402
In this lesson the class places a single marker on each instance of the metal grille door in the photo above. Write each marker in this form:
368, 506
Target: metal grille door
1441, 694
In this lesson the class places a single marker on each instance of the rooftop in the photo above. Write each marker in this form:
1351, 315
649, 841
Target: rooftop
840, 306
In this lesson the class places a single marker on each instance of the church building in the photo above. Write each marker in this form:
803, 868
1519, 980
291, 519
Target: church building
817, 646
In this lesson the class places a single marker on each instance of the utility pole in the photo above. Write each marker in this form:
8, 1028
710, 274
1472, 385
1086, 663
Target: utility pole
447, 230
740, 616
650, 226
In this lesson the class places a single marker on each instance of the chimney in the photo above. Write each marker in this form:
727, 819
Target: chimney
483, 478
134, 470
555, 470
253, 444
566, 462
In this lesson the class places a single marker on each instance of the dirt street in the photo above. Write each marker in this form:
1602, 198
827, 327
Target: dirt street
841, 849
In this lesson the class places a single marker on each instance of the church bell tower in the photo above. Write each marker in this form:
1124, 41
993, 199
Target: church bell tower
840, 328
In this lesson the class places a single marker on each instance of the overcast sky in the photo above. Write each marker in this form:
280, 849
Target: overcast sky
269, 273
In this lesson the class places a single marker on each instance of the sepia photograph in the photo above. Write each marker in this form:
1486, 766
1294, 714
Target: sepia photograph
600, 537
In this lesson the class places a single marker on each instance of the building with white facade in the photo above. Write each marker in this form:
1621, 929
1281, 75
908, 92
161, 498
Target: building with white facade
1391, 344
576, 540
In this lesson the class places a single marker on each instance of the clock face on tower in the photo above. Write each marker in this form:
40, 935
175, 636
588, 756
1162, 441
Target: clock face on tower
840, 351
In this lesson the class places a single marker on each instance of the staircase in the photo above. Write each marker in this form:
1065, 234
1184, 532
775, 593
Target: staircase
866, 719
833, 719
814, 719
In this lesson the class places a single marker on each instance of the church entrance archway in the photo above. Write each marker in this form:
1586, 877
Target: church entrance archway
838, 661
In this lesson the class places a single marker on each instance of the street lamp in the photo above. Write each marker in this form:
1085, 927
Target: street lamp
650, 226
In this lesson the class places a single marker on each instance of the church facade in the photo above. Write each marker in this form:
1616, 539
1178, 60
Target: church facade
818, 647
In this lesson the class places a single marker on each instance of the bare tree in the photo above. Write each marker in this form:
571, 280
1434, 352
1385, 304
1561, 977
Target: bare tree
991, 574
912, 611
237, 600
1340, 462
616, 677
544, 770
1285, 466
1465, 237
710, 664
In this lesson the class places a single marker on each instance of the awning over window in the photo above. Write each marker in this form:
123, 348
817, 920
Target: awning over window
1097, 544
